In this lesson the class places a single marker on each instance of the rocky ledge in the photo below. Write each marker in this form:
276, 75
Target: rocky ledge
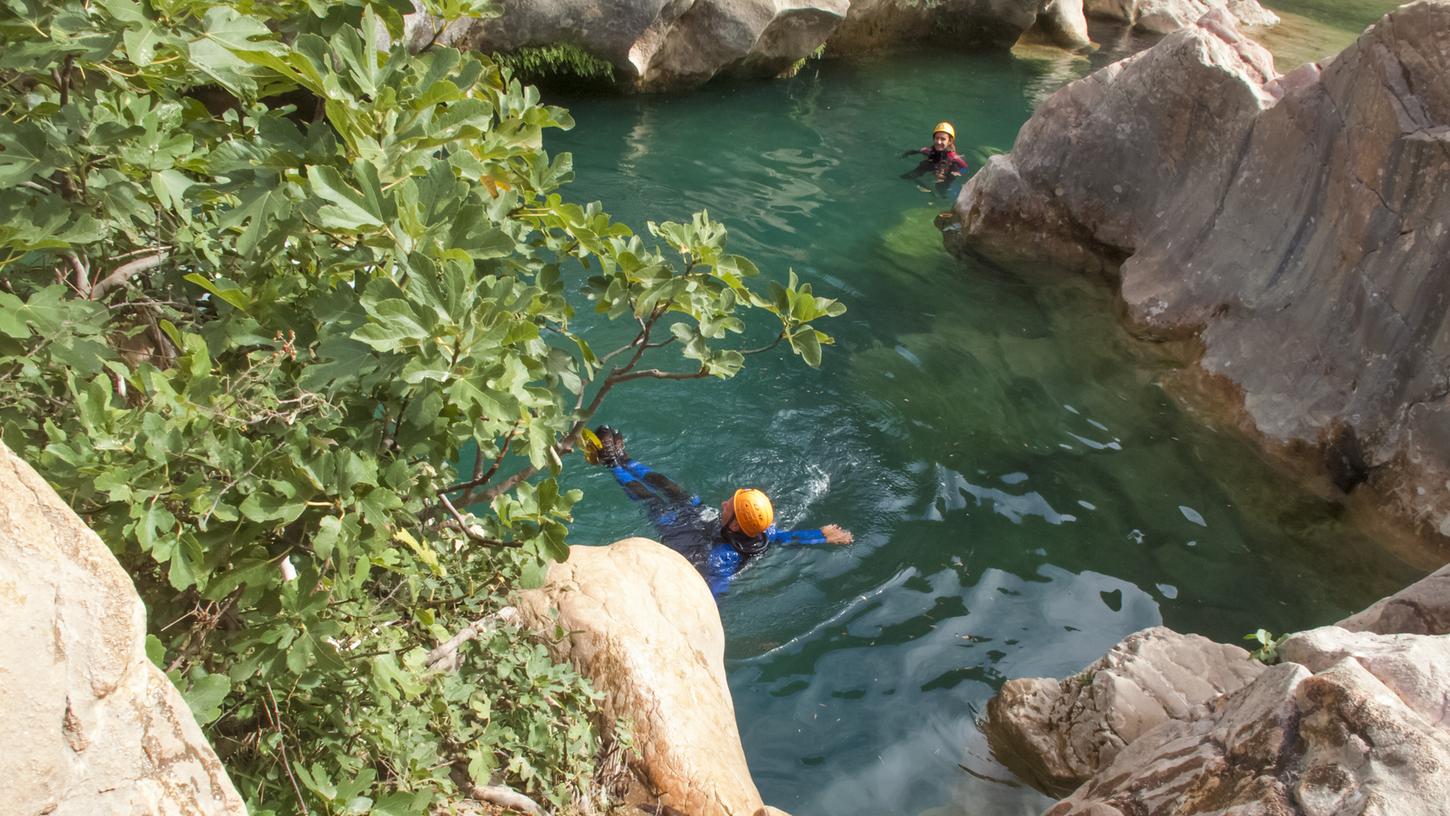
1347, 722
1298, 226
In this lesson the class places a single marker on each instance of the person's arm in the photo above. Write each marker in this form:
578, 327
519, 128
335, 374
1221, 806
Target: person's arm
917, 152
829, 534
721, 567
959, 164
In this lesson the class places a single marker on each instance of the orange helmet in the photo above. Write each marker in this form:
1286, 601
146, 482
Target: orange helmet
753, 511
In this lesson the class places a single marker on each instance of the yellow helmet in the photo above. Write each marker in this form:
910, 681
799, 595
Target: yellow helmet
944, 127
753, 511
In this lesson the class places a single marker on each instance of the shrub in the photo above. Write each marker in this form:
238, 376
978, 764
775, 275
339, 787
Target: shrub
262, 287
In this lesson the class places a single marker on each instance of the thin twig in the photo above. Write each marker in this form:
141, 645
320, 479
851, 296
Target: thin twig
655, 373
479, 477
276, 717
778, 338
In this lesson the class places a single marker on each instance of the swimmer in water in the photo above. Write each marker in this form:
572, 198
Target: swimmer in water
718, 546
940, 158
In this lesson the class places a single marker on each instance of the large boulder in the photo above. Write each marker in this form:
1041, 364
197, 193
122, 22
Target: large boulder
92, 726
1164, 16
1056, 734
652, 44
1304, 214
640, 622
1349, 724
875, 24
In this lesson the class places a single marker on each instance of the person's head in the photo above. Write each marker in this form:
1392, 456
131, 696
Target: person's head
748, 512
944, 136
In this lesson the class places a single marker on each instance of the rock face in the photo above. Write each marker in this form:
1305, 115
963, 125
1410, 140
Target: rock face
644, 628
1303, 214
875, 24
1163, 16
1057, 734
92, 727
1422, 608
653, 44
1351, 723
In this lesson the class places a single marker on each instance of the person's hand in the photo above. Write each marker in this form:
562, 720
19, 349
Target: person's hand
835, 534
910, 153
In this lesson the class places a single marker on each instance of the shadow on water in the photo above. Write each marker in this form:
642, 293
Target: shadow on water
1023, 492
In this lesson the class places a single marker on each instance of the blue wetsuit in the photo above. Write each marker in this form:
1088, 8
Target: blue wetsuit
716, 553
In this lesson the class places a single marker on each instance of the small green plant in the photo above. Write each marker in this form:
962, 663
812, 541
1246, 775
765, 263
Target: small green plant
1268, 651
556, 62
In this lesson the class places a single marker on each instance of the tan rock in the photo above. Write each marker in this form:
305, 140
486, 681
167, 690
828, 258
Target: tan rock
643, 626
1164, 16
1422, 608
1057, 734
92, 727
1358, 728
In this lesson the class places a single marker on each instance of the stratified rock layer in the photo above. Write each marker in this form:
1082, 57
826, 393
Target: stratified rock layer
1300, 225
1057, 734
92, 727
642, 625
1349, 724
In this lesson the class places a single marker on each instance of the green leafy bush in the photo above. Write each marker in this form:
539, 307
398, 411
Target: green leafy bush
262, 286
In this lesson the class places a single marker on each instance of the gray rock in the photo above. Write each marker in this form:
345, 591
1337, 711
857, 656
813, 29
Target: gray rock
1306, 214
1358, 728
92, 727
1164, 16
875, 24
652, 44
1057, 734
1422, 608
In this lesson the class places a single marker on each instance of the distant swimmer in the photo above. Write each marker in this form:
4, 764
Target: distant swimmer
718, 546
941, 159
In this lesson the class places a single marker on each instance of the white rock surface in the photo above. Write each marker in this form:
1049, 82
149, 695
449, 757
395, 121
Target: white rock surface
92, 727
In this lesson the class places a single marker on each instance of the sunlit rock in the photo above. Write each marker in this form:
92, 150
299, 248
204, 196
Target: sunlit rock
1055, 734
1422, 608
1163, 16
1350, 723
1296, 225
641, 624
92, 726
652, 44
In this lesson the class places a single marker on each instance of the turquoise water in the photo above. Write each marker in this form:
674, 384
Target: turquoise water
1022, 490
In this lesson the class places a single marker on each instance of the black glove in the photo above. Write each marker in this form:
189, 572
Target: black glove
611, 446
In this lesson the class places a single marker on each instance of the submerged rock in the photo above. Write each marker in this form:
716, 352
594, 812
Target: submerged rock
652, 44
1164, 16
1299, 226
92, 726
642, 625
1056, 734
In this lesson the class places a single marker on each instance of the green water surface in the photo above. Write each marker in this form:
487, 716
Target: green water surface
1022, 490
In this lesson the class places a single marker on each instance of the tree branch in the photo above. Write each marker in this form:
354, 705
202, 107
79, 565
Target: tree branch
445, 656
505, 797
473, 531
778, 338
655, 373
479, 477
125, 271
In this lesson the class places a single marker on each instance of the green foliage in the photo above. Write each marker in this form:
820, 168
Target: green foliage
1268, 651
555, 62
262, 288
